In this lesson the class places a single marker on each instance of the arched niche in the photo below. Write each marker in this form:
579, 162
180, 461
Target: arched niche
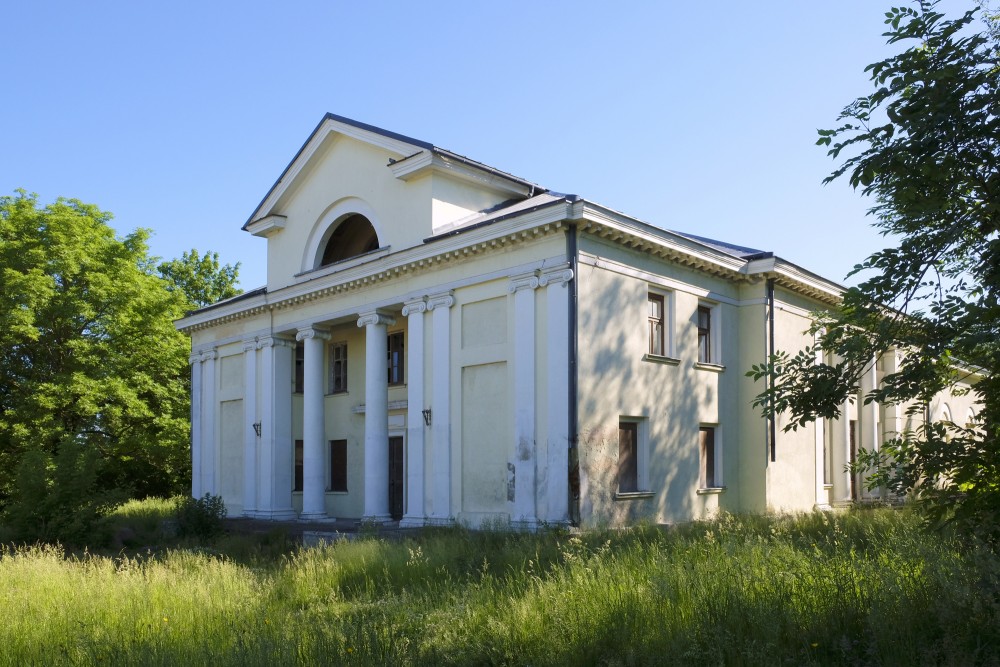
347, 229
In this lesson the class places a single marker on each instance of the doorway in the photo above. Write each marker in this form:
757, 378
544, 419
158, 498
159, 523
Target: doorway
396, 478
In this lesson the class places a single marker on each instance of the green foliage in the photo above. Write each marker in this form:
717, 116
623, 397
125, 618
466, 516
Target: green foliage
90, 360
925, 146
200, 518
201, 279
858, 588
57, 498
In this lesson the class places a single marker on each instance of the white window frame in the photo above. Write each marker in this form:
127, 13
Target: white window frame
714, 335
669, 325
719, 479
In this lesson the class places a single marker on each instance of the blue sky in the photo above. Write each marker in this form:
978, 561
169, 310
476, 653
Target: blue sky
699, 117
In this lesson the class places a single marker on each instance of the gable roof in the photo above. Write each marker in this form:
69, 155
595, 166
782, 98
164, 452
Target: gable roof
400, 143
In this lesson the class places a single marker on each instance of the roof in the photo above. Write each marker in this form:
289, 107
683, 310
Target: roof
740, 251
416, 143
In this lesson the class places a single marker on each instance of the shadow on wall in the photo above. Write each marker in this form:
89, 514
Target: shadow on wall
670, 402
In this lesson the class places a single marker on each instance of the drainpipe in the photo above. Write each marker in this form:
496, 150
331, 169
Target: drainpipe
772, 418
573, 345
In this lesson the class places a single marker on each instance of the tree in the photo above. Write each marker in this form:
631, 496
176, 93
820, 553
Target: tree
925, 146
200, 278
90, 360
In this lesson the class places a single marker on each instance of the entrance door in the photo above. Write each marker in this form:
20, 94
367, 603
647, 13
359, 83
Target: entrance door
396, 478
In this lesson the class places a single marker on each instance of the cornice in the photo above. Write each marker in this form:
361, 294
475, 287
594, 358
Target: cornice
267, 227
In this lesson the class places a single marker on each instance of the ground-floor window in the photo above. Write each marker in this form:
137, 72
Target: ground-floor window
338, 465
710, 475
628, 457
297, 480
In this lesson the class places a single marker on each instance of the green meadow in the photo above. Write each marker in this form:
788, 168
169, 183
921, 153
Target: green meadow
867, 587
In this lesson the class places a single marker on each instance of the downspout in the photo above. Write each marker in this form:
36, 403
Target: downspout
573, 345
772, 418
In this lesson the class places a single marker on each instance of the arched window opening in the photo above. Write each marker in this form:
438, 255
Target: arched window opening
353, 236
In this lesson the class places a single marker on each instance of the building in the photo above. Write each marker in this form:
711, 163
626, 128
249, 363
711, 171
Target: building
440, 341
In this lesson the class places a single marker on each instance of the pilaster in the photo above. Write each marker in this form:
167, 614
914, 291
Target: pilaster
210, 405
196, 434
557, 349
440, 307
524, 511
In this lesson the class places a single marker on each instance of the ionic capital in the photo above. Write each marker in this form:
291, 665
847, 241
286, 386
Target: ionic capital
414, 307
557, 276
275, 341
209, 355
442, 300
306, 333
523, 281
250, 345
374, 317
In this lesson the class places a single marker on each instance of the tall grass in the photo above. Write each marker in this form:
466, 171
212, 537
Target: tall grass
858, 588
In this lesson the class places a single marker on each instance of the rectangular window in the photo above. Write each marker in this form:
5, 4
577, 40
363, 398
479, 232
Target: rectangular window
656, 325
396, 358
300, 364
710, 477
705, 334
628, 457
338, 465
338, 368
297, 481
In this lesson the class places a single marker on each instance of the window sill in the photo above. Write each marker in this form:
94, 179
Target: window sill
659, 359
338, 393
336, 493
712, 490
827, 487
715, 368
632, 495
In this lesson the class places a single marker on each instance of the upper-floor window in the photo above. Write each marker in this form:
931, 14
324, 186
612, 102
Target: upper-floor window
338, 367
354, 236
396, 358
656, 312
300, 366
705, 335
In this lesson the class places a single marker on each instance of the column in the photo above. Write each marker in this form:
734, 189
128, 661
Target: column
249, 434
376, 500
313, 424
274, 485
440, 307
209, 446
847, 476
196, 441
871, 438
415, 512
557, 350
524, 512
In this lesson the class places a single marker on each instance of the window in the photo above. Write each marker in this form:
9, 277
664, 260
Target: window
656, 325
705, 334
338, 465
338, 368
628, 457
711, 473
297, 481
300, 364
396, 358
353, 236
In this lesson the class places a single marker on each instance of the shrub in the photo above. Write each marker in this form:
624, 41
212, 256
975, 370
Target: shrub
200, 518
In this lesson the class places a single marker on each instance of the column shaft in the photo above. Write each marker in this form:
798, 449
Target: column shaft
249, 434
196, 435
376, 499
313, 425
274, 486
209, 446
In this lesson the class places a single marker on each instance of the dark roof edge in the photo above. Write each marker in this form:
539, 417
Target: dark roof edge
485, 223
239, 297
340, 119
535, 187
